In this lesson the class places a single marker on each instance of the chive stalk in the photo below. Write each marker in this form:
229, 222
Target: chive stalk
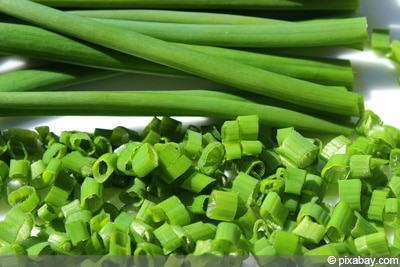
224, 71
66, 50
203, 4
330, 32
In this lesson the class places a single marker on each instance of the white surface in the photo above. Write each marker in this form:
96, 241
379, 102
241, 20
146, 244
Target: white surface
376, 78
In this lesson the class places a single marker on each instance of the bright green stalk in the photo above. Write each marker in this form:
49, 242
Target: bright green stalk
206, 4
174, 16
63, 49
224, 71
341, 222
330, 32
51, 77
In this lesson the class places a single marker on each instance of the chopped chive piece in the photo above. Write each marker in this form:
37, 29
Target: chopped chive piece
296, 148
391, 214
227, 235
315, 211
199, 204
77, 230
141, 231
55, 150
222, 205
341, 221
394, 160
314, 185
125, 155
251, 147
309, 230
147, 249
285, 243
46, 213
78, 164
82, 142
144, 160
192, 143
92, 194
104, 167
360, 166
168, 239
98, 221
271, 160
19, 169
350, 193
198, 182
134, 194
338, 145
175, 211
362, 145
60, 190
61, 243
337, 168
246, 187
200, 231
394, 185
362, 227
233, 150
294, 180
211, 158
120, 244
25, 197
374, 244
16, 226
380, 40
273, 210
377, 205
172, 163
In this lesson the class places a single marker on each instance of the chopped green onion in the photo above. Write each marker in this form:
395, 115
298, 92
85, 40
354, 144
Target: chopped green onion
19, 169
341, 221
172, 163
360, 166
98, 221
394, 160
92, 194
25, 197
76, 229
55, 150
175, 211
16, 226
350, 193
192, 143
309, 230
135, 194
222, 205
273, 210
295, 148
227, 235
82, 142
314, 185
294, 180
362, 227
247, 188
141, 231
380, 40
104, 167
147, 249
120, 244
78, 163
168, 239
377, 205
51, 171
60, 190
315, 211
337, 168
144, 160
374, 244
337, 145
46, 213
391, 214
211, 158
199, 204
251, 147
200, 231
198, 182
61, 243
362, 145
285, 243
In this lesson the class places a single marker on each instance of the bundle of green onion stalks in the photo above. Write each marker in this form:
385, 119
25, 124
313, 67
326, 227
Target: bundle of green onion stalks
258, 184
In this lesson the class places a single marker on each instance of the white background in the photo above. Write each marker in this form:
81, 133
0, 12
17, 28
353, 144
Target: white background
376, 78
